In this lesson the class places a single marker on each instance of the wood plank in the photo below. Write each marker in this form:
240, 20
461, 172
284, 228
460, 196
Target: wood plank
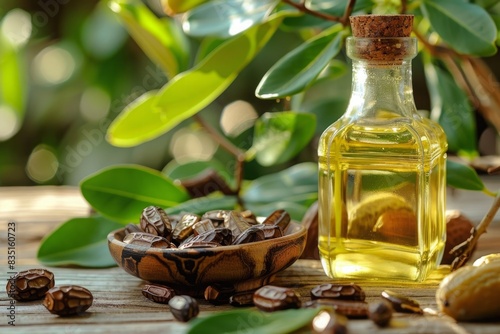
119, 304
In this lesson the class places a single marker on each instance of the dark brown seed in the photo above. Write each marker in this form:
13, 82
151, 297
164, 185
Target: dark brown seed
146, 240
67, 300
220, 235
218, 294
198, 244
244, 298
272, 298
216, 216
380, 312
184, 227
249, 217
251, 234
236, 223
154, 220
349, 291
349, 308
280, 218
131, 228
329, 322
30, 284
401, 303
158, 293
183, 307
270, 231
203, 226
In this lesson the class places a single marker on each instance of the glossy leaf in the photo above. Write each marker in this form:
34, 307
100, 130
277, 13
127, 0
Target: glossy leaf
462, 176
177, 171
192, 90
159, 38
12, 87
225, 18
296, 182
452, 109
80, 242
251, 320
173, 7
122, 192
298, 69
280, 136
464, 26
201, 205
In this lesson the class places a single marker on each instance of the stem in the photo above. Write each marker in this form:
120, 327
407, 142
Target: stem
465, 249
344, 19
238, 154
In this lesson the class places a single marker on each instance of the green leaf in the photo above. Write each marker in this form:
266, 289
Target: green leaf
464, 26
225, 18
296, 182
178, 171
173, 7
452, 109
463, 177
253, 321
12, 87
295, 210
201, 205
79, 241
298, 69
122, 192
280, 136
191, 91
159, 38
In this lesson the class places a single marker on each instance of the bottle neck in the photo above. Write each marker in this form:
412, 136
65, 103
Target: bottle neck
382, 77
381, 88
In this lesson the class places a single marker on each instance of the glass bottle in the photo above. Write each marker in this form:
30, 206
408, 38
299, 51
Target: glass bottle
382, 183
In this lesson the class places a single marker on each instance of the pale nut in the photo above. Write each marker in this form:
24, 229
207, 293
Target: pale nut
364, 216
397, 226
471, 293
486, 259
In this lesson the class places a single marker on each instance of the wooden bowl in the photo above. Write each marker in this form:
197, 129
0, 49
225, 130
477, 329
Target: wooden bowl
244, 266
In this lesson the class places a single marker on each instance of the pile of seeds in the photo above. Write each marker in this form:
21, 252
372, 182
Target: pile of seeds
212, 229
36, 284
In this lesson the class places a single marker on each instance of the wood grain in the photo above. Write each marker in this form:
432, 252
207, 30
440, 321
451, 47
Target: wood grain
119, 305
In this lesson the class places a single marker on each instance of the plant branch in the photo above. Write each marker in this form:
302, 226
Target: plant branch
344, 19
463, 251
238, 154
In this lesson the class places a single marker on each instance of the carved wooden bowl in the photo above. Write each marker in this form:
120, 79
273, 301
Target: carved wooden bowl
244, 266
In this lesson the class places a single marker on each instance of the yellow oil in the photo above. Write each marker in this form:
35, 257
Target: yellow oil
372, 166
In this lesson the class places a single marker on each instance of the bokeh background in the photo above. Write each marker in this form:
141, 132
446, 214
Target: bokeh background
76, 68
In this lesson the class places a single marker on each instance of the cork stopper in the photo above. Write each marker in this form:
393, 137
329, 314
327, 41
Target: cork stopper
382, 38
376, 26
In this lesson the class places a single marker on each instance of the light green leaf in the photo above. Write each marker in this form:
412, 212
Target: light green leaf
191, 91
280, 136
464, 26
201, 205
298, 69
79, 241
462, 176
294, 183
122, 192
452, 109
251, 320
226, 18
173, 7
159, 38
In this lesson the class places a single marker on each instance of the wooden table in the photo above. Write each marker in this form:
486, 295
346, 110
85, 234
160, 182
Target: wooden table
120, 307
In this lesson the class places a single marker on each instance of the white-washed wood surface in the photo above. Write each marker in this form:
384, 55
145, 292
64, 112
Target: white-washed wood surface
119, 306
